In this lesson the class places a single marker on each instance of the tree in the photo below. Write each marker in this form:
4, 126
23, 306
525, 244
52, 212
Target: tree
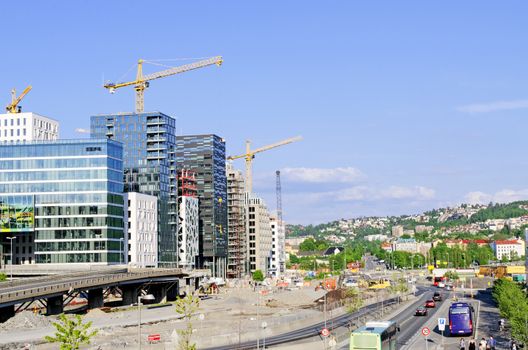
3, 277
187, 307
513, 305
451, 275
258, 276
71, 333
308, 245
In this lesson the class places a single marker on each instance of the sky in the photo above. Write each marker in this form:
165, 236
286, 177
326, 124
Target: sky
403, 106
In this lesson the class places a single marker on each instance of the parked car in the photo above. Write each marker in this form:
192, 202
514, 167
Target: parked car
430, 303
441, 285
437, 296
421, 311
449, 287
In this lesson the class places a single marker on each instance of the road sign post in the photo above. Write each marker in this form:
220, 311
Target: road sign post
425, 332
441, 327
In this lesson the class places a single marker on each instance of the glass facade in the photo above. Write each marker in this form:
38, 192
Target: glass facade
205, 156
148, 150
63, 200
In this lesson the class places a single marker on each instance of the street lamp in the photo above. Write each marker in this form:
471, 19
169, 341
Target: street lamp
148, 297
11, 239
264, 325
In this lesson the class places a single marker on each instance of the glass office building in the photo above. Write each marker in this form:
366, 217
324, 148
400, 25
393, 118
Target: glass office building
205, 156
62, 201
148, 144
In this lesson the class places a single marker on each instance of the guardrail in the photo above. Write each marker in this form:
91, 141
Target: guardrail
58, 287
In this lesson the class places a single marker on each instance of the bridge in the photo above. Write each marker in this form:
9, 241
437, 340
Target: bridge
56, 291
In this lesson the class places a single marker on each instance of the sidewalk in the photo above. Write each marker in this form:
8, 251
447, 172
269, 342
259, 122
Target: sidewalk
488, 321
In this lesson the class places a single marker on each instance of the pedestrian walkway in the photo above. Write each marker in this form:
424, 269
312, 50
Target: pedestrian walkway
488, 322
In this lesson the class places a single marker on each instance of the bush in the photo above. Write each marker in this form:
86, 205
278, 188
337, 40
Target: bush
3, 277
258, 276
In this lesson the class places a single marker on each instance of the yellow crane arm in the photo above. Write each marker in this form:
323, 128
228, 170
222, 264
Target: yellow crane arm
165, 73
12, 107
265, 148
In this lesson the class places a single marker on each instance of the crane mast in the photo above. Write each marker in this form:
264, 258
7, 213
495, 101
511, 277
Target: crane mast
142, 81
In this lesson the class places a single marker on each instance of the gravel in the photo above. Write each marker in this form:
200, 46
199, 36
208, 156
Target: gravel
25, 320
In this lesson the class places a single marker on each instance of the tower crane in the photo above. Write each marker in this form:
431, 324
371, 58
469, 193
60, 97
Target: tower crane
142, 81
13, 107
250, 155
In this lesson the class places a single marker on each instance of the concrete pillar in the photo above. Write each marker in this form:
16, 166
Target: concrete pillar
54, 306
6, 312
160, 293
130, 294
196, 283
95, 298
174, 291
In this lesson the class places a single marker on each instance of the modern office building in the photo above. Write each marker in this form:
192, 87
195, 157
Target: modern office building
62, 201
259, 236
188, 219
278, 256
148, 145
236, 221
141, 223
26, 126
205, 156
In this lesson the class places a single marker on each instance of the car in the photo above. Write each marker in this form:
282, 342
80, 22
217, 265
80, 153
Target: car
437, 296
441, 284
430, 303
421, 311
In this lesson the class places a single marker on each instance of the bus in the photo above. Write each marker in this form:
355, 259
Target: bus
375, 336
460, 319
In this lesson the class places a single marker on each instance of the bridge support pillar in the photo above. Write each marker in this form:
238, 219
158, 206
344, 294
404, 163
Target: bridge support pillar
95, 298
130, 294
196, 284
160, 293
6, 312
173, 292
54, 306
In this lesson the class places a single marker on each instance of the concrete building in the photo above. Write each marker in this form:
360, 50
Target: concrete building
62, 201
236, 220
141, 222
259, 235
405, 245
205, 156
148, 149
397, 231
508, 248
15, 127
188, 219
278, 257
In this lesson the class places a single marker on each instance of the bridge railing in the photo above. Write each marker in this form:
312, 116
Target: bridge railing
89, 282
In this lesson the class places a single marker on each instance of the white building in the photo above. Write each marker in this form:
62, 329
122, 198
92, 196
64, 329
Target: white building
259, 236
141, 224
188, 240
278, 255
508, 248
27, 126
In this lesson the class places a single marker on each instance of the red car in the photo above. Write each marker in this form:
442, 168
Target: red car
430, 303
421, 311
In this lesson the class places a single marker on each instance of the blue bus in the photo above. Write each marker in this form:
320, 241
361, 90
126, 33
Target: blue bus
460, 319
375, 336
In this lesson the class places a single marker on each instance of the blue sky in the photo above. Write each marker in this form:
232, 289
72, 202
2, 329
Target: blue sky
403, 105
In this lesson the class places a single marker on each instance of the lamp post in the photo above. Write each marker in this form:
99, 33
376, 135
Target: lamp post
146, 297
264, 325
11, 243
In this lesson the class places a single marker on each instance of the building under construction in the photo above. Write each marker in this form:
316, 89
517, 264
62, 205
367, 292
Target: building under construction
237, 248
188, 219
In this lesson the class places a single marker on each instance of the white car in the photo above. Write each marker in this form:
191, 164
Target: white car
441, 285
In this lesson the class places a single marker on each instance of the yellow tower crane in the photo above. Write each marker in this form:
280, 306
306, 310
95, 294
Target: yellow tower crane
250, 155
13, 107
142, 81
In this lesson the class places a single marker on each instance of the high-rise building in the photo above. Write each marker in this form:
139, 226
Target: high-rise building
27, 126
148, 146
278, 256
188, 219
62, 201
141, 222
237, 246
259, 236
205, 156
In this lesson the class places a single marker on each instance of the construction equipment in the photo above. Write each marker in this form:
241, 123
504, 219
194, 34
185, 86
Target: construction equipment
250, 155
142, 81
13, 107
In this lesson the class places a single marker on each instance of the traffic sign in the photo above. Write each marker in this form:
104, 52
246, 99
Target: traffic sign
441, 324
325, 332
426, 331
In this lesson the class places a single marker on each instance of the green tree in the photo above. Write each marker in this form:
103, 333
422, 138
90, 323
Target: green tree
452, 275
258, 276
187, 307
308, 245
3, 277
71, 333
513, 305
